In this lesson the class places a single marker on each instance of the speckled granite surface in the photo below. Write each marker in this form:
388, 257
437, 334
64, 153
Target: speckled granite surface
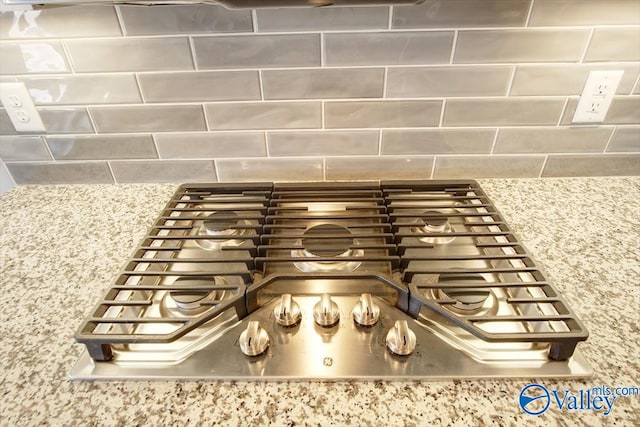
61, 246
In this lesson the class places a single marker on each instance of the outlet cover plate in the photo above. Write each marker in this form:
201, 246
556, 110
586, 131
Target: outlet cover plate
598, 92
20, 108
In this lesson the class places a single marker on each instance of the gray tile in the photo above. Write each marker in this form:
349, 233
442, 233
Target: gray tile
60, 173
164, 171
462, 13
323, 83
6, 127
23, 148
614, 44
502, 112
488, 167
584, 12
478, 47
264, 115
210, 145
323, 143
97, 147
88, 21
380, 114
568, 79
200, 86
636, 91
625, 139
133, 54
184, 19
83, 89
66, 120
364, 168
304, 169
32, 57
388, 48
552, 140
325, 18
448, 81
437, 141
261, 51
623, 110
148, 118
593, 165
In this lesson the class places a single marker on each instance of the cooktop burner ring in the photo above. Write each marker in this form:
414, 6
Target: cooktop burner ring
332, 247
220, 223
468, 300
187, 303
434, 223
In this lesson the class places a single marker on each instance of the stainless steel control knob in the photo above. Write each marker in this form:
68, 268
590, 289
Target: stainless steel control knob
366, 312
287, 311
326, 312
254, 340
400, 339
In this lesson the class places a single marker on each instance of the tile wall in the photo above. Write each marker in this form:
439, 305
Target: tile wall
445, 89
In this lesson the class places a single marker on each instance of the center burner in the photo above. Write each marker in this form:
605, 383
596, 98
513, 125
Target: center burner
327, 241
434, 222
221, 224
191, 302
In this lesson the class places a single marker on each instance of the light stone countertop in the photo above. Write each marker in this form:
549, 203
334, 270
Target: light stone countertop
62, 246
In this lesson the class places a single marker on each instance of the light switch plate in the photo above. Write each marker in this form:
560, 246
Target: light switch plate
20, 108
598, 92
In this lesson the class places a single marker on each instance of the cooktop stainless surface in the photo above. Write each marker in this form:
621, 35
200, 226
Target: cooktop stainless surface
392, 280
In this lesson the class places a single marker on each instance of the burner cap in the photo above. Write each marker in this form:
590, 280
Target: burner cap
189, 299
467, 299
330, 247
436, 220
219, 221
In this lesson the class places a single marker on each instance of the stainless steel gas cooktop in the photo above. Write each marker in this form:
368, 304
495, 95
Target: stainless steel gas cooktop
389, 280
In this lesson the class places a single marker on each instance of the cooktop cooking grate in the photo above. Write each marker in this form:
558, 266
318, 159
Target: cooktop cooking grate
221, 246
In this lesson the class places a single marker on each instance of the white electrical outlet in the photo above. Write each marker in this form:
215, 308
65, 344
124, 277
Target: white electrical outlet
597, 95
20, 108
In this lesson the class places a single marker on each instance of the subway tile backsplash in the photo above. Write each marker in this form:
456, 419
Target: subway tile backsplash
443, 89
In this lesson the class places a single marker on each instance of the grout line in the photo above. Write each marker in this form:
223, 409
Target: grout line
433, 167
511, 80
120, 21
260, 85
390, 21
307, 100
67, 54
254, 20
385, 77
45, 141
379, 142
606, 146
155, 146
215, 169
137, 79
544, 164
266, 144
206, 119
563, 111
453, 46
636, 85
529, 12
586, 46
495, 140
93, 123
324, 168
192, 51
113, 175
441, 121
323, 55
